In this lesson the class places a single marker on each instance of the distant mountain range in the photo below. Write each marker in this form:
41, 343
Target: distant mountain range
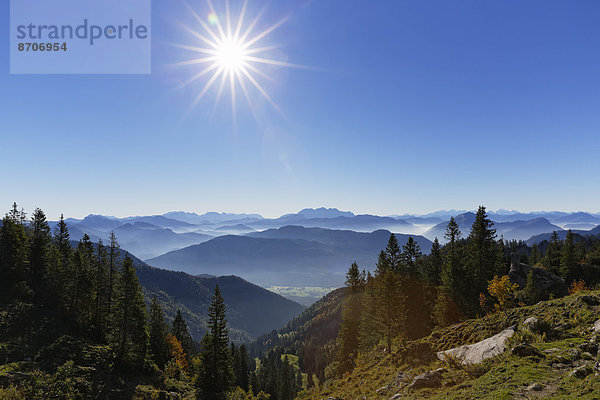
288, 256
517, 230
313, 247
145, 237
562, 234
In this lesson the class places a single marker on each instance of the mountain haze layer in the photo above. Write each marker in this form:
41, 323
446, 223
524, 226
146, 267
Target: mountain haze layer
288, 256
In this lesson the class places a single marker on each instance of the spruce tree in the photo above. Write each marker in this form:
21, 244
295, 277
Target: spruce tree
129, 334
452, 271
113, 269
181, 332
216, 377
286, 381
568, 259
244, 369
40, 241
483, 258
383, 264
390, 307
368, 337
61, 238
433, 266
553, 255
236, 364
349, 333
411, 253
100, 291
158, 330
61, 277
14, 257
82, 290
393, 254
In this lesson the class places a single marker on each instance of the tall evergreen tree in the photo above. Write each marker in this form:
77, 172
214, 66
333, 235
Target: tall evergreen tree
61, 238
216, 377
433, 266
14, 257
129, 334
113, 269
383, 264
82, 290
451, 275
390, 258
394, 254
158, 330
40, 241
368, 337
100, 291
243, 374
61, 278
483, 258
390, 307
568, 259
181, 332
553, 255
411, 253
349, 333
286, 381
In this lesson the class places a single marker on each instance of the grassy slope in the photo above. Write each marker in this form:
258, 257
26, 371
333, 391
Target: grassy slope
504, 377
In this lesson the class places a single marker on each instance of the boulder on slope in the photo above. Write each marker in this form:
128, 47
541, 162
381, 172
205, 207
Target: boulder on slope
477, 352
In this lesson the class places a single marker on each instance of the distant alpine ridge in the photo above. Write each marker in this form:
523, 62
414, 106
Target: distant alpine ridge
312, 247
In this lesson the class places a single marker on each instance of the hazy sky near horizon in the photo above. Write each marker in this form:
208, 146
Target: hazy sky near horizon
409, 107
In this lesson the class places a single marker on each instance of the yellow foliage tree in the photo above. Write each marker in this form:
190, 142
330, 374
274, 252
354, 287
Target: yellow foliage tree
503, 290
578, 286
177, 367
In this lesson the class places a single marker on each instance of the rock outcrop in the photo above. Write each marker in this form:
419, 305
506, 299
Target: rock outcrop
544, 281
530, 322
477, 352
431, 379
525, 350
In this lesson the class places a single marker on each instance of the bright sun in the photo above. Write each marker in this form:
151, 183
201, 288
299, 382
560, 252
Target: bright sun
230, 55
233, 54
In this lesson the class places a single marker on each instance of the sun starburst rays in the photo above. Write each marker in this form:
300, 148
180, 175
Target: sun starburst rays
235, 55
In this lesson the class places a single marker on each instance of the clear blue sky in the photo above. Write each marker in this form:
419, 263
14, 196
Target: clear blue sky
412, 106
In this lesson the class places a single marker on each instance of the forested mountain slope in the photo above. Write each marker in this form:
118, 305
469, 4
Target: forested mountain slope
311, 335
251, 310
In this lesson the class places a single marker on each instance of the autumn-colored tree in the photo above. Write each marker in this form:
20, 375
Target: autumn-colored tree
578, 286
503, 290
177, 367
